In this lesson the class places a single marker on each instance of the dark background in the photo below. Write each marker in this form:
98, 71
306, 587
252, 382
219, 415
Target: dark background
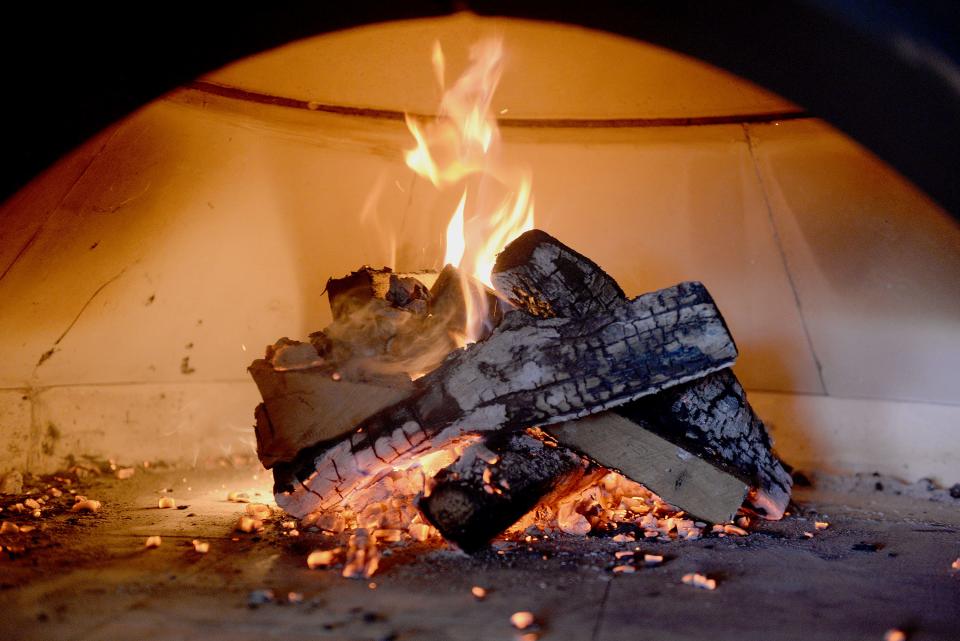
885, 72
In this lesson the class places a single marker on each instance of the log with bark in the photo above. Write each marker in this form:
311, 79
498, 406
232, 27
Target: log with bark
528, 372
548, 280
709, 418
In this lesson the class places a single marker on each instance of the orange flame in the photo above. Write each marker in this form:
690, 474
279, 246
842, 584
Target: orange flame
460, 146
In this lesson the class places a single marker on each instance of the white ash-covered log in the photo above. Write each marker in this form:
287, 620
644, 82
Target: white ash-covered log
528, 372
709, 418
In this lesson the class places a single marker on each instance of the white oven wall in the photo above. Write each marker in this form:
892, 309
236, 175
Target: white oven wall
141, 274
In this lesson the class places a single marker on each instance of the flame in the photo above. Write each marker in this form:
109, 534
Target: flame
460, 147
456, 240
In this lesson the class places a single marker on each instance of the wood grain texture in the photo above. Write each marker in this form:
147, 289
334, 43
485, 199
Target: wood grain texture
306, 406
699, 487
712, 418
528, 372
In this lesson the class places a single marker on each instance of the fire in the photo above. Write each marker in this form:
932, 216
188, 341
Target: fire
460, 148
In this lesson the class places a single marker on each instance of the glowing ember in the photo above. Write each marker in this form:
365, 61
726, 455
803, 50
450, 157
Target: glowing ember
522, 620
363, 557
478, 593
955, 565
9, 528
895, 635
322, 558
201, 547
152, 542
652, 559
166, 503
700, 581
821, 525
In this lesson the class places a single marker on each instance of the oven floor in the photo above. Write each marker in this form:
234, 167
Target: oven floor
884, 562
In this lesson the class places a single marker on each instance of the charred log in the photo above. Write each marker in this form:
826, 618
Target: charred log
494, 483
710, 418
528, 372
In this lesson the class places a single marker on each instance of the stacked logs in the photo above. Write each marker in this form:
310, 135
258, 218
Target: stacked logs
641, 386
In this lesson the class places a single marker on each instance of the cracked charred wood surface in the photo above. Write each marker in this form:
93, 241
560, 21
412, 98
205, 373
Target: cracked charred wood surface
546, 278
710, 418
494, 483
528, 372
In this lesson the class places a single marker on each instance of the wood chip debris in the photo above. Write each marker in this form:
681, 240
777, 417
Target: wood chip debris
125, 472
419, 531
238, 497
652, 559
166, 503
8, 527
86, 505
821, 525
733, 529
249, 524
202, 547
153, 542
698, 580
259, 511
322, 558
478, 593
624, 569
522, 620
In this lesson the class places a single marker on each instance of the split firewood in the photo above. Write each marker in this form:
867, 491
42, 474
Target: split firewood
528, 372
386, 327
703, 489
495, 482
305, 406
355, 290
709, 418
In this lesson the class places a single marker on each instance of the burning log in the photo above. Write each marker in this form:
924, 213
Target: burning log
703, 489
320, 390
528, 372
497, 481
355, 290
709, 418
304, 406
